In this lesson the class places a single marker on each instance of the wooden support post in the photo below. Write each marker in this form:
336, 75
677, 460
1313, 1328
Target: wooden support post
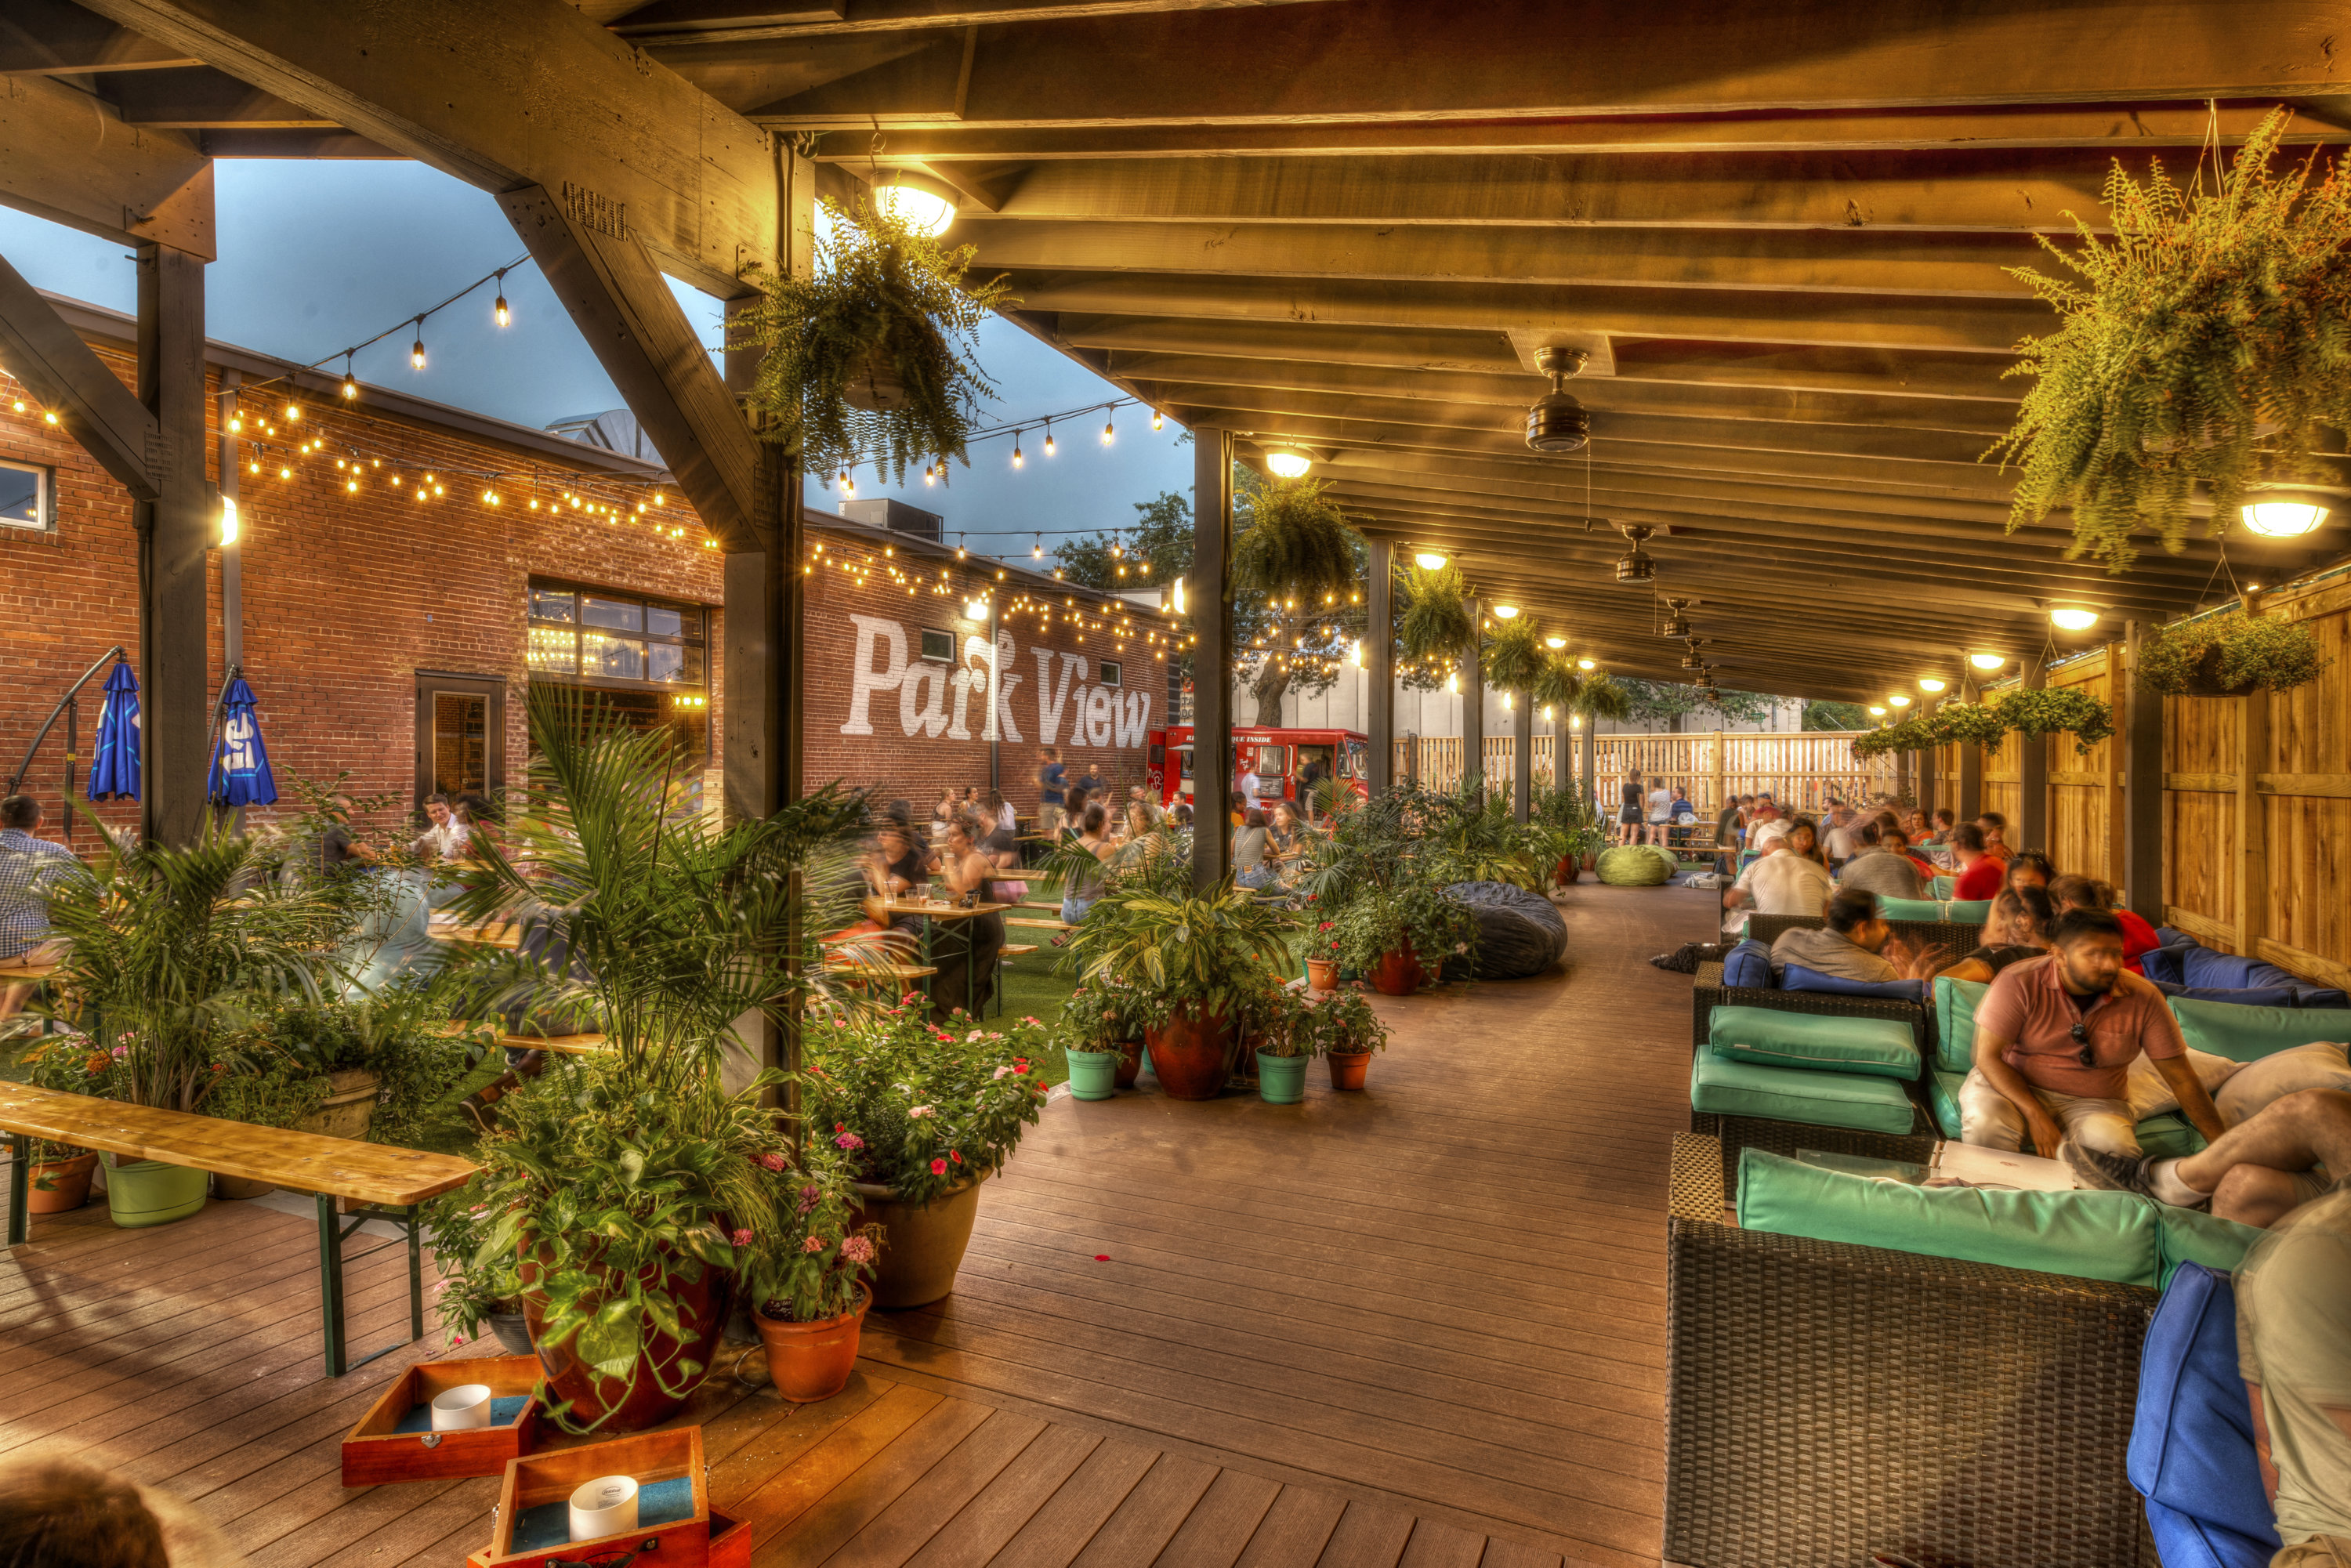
2253, 830
1379, 661
2115, 678
1716, 803
174, 529
2141, 866
1969, 805
1590, 756
1523, 757
1212, 656
1473, 704
2033, 773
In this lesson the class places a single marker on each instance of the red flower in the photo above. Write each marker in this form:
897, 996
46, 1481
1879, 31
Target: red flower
1326, 926
938, 1167
955, 1155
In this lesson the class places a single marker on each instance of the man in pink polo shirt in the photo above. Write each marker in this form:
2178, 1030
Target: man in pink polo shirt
2055, 1039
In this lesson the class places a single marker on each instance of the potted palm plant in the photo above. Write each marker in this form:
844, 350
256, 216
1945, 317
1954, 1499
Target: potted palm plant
622, 1185
1345, 1031
924, 1115
810, 1264
1193, 959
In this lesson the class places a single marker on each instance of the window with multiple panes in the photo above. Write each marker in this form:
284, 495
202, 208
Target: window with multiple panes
596, 637
27, 495
1110, 672
938, 645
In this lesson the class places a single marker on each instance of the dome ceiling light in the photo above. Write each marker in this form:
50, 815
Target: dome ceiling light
1556, 423
925, 204
2073, 617
2284, 514
1988, 660
1431, 560
1287, 461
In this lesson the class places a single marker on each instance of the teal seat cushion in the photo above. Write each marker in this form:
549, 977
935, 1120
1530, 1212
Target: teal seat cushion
1943, 1100
1817, 1042
1909, 909
1852, 1100
2192, 1235
2247, 1034
1955, 1021
2168, 1136
2112, 1236
1968, 911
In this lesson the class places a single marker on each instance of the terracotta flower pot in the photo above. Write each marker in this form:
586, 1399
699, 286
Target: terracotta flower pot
1130, 1064
68, 1184
1189, 1055
1398, 973
1321, 974
1348, 1067
348, 1109
617, 1405
809, 1362
922, 1244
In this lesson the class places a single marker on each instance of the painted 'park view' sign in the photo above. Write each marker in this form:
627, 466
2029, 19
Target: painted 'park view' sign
972, 696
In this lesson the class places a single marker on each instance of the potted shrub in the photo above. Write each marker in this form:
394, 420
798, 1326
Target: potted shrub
869, 359
1346, 1032
60, 1174
480, 1284
625, 1184
1399, 939
1323, 959
272, 1090
1567, 822
809, 1265
1284, 1041
924, 1115
2229, 655
1194, 959
1089, 1042
2201, 346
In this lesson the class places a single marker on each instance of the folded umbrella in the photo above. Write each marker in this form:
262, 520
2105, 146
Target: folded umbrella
114, 766
240, 774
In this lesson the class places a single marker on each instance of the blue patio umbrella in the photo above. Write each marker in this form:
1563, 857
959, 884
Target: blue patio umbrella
240, 775
114, 766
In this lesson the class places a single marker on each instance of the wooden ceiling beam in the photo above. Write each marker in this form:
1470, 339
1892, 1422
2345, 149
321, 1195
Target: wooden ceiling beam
92, 404
1534, 58
721, 27
202, 99
57, 37
524, 94
2123, 130
1711, 315
66, 156
1875, 261
337, 144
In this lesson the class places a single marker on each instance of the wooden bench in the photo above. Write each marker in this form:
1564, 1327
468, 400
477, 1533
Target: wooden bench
1055, 924
23, 971
865, 974
564, 1044
387, 1183
1016, 949
495, 933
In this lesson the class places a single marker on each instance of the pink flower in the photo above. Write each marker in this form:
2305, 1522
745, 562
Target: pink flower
971, 1037
742, 1239
849, 1141
919, 1112
858, 1249
121, 1051
771, 1161
456, 1340
1027, 1020
810, 1198
938, 1167
813, 1244
999, 1072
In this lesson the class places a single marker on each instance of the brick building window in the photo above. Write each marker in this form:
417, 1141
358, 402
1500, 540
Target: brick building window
1110, 672
618, 642
938, 645
27, 495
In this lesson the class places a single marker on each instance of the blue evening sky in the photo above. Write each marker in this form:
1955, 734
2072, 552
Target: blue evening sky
316, 256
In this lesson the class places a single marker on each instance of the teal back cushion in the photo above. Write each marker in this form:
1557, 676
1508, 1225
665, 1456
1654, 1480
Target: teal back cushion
1955, 1021
1909, 909
2247, 1034
1944, 886
1769, 1037
2192, 1235
2111, 1236
1968, 911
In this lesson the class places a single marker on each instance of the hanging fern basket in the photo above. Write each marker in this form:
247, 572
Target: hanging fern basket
1436, 627
2230, 656
874, 383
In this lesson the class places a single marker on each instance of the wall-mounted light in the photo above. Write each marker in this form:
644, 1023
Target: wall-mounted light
228, 525
1357, 656
2073, 617
1988, 660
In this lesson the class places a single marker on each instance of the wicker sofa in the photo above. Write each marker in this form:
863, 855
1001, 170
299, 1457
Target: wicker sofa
1828, 1400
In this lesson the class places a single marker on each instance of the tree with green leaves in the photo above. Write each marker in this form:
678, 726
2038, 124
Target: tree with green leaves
1837, 717
1670, 702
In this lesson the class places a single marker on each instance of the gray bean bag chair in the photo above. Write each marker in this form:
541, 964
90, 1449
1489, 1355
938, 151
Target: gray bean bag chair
1518, 933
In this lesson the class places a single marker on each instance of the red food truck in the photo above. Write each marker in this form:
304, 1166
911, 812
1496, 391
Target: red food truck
1279, 757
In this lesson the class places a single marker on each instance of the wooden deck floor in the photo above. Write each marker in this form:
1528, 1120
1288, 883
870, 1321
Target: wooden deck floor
1424, 1326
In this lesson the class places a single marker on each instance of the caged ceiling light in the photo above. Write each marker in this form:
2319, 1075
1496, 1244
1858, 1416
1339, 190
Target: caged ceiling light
2284, 514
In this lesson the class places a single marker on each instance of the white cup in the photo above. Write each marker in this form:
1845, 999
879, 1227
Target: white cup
462, 1407
605, 1506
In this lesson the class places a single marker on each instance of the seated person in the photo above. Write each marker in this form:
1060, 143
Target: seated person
896, 865
1876, 869
949, 804
1898, 840
2028, 868
1786, 880
1980, 875
1286, 834
1856, 945
2017, 930
2085, 893
1995, 834
2256, 1173
1251, 867
1002, 852
2055, 1036
1945, 822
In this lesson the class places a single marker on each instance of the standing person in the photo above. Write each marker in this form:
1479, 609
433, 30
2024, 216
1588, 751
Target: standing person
1659, 809
1629, 809
1726, 836
1073, 817
28, 866
1053, 789
1980, 875
2055, 1039
1250, 784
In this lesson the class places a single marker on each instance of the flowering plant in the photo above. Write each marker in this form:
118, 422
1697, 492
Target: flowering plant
1344, 1023
1103, 1015
806, 1260
1278, 1023
920, 1108
1379, 922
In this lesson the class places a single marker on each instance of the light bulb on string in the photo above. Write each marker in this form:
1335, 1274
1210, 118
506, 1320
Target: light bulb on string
1049, 438
1017, 458
416, 350
293, 412
351, 383
1107, 430
1155, 421
499, 311
1036, 550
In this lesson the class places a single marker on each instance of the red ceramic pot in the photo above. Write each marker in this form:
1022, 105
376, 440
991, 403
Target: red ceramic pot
1567, 871
809, 1362
1321, 974
615, 1405
1130, 1064
1189, 1055
66, 1181
1348, 1067
1398, 973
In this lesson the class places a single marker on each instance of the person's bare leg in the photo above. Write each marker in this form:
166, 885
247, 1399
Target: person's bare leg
2304, 1129
11, 997
2257, 1195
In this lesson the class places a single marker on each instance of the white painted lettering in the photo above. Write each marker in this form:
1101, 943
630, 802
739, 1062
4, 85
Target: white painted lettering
865, 680
1050, 703
1099, 701
917, 711
1134, 718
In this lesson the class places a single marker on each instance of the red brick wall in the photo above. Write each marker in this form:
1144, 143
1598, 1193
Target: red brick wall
348, 595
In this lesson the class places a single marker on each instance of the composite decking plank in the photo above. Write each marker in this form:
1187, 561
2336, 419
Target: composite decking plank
1295, 1529
1067, 1523
772, 1505
1219, 1528
844, 1509
1009, 1501
939, 1494
1139, 1529
1436, 1544
1505, 1553
1367, 1536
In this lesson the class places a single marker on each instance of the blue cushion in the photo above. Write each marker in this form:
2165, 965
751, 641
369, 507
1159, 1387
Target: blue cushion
1799, 978
2231, 971
2163, 966
2191, 1449
2261, 997
1749, 965
2171, 936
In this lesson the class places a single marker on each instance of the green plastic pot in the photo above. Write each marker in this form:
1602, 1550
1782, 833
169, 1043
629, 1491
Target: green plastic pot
149, 1192
1281, 1080
1093, 1074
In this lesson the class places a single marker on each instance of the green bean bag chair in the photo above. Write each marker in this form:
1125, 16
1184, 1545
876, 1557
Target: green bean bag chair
1635, 865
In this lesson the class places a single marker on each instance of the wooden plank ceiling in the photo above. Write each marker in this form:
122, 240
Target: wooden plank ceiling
1346, 225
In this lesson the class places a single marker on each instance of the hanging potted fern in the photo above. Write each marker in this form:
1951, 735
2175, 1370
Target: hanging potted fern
1515, 659
1298, 547
1437, 627
1603, 698
870, 360
2058, 710
2206, 342
2230, 654
1558, 684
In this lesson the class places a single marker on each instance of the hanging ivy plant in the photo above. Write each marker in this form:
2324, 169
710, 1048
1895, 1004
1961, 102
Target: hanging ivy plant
1910, 735
870, 360
1297, 546
1437, 627
2229, 655
1603, 698
2059, 710
2210, 321
1516, 658
1987, 724
1558, 684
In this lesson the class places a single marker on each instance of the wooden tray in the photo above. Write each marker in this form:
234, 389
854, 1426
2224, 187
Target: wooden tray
377, 1451
730, 1545
536, 1481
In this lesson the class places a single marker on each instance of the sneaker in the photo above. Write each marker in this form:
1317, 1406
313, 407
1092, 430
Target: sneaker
1682, 960
2104, 1172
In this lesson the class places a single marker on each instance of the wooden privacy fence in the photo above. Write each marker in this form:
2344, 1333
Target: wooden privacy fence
1804, 769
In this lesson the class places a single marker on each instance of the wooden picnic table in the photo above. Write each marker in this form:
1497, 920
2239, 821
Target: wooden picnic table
936, 912
387, 1183
20, 971
492, 934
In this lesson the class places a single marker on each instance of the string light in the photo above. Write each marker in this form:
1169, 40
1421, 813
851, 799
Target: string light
1049, 438
1155, 421
351, 383
1036, 550
1106, 431
293, 413
1017, 458
499, 311
416, 350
